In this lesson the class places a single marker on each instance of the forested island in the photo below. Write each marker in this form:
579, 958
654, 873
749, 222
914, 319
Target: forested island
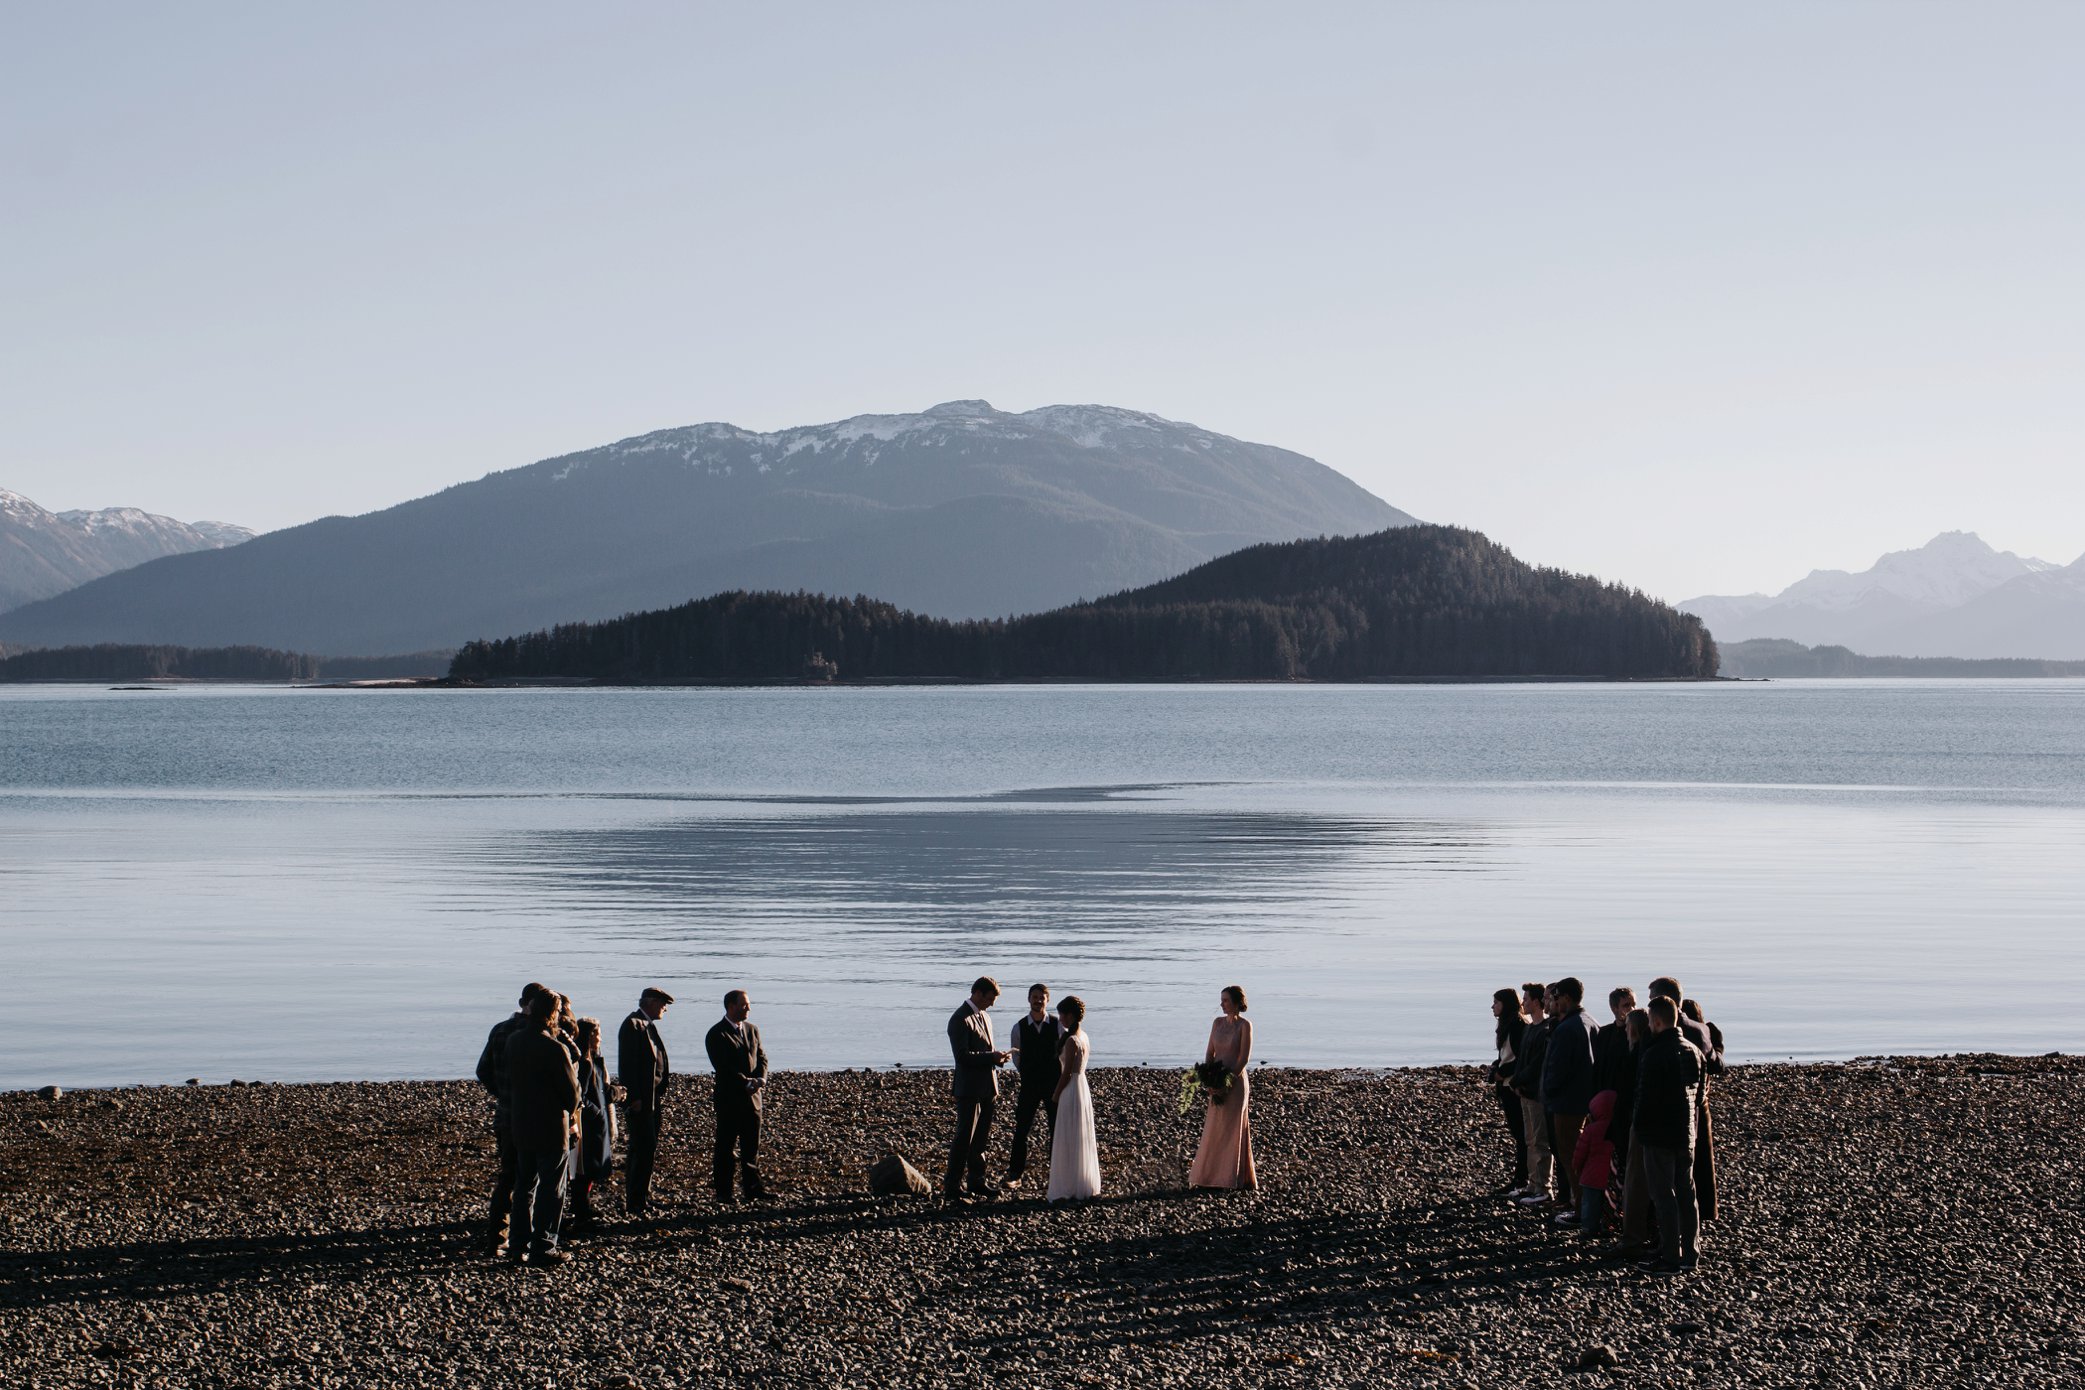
1409, 603
1778, 658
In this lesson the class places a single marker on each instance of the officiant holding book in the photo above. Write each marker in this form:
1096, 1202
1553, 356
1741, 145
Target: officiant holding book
975, 1088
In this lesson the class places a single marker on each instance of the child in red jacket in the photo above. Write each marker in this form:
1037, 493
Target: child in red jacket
1593, 1164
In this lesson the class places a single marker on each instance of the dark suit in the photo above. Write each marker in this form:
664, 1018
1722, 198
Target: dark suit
542, 1093
736, 1054
640, 1056
976, 1090
492, 1075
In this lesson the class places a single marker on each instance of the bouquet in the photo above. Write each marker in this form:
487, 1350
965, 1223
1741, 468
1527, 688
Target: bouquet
1214, 1078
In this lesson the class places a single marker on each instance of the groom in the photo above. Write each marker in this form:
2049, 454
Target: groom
976, 1088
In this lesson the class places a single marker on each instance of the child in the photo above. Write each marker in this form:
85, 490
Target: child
1593, 1163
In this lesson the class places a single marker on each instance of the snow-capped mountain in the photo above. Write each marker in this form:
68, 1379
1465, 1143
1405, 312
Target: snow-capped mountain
960, 511
1953, 596
44, 553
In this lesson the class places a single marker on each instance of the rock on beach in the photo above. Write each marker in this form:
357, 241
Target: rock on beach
1893, 1222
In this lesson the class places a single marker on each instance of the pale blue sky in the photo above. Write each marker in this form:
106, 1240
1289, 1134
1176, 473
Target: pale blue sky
1694, 297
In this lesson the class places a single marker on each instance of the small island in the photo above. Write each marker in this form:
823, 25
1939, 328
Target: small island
1411, 603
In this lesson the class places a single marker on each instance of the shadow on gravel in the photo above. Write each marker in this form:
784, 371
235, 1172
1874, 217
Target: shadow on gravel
167, 1269
1249, 1272
1259, 1275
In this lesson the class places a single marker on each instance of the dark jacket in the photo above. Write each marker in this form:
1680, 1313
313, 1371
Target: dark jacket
640, 1062
1567, 1065
1624, 1088
970, 1039
492, 1065
1708, 1040
1534, 1047
1035, 1048
1668, 1085
736, 1060
1611, 1057
596, 1133
542, 1090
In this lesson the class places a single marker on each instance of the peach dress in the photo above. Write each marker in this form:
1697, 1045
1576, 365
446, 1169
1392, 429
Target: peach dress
1225, 1157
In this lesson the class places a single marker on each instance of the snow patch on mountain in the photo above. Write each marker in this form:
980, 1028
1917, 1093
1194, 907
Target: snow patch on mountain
43, 553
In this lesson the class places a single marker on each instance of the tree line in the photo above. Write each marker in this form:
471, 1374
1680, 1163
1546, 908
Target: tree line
110, 661
1410, 603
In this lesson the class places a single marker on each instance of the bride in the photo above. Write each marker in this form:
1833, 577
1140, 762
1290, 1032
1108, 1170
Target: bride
1074, 1155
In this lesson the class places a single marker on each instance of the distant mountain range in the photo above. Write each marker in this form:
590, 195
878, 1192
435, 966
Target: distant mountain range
1954, 596
959, 511
44, 553
1408, 603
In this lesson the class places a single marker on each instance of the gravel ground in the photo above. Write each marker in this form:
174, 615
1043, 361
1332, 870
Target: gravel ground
1904, 1222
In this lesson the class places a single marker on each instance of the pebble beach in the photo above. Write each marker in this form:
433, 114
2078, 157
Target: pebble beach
1887, 1222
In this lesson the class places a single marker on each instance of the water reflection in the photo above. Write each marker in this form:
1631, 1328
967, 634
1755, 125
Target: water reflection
915, 877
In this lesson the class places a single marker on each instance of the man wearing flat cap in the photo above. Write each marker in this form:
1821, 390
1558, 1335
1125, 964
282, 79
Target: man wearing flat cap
641, 1060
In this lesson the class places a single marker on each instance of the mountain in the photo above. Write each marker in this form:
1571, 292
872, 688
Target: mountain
44, 553
961, 511
1954, 596
1411, 603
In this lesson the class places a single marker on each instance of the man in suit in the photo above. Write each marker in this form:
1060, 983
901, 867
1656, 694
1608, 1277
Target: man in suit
640, 1056
1036, 1038
975, 1086
741, 1066
1567, 1080
542, 1093
492, 1075
1668, 1089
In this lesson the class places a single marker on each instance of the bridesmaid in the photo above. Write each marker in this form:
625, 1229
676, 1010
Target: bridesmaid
1225, 1158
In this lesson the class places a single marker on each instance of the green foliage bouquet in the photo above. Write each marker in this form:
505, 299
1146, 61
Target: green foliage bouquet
1214, 1078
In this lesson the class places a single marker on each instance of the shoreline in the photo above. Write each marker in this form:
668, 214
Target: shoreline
1879, 1216
1342, 1072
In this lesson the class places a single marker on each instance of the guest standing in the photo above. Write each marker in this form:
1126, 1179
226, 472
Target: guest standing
640, 1055
740, 1062
1224, 1159
1567, 1079
975, 1087
1592, 1164
1611, 1042
1527, 1084
1505, 1039
1668, 1087
1074, 1149
1708, 1041
1036, 1040
492, 1075
1705, 1129
594, 1158
543, 1091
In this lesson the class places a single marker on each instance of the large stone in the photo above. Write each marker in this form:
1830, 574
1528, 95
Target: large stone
892, 1176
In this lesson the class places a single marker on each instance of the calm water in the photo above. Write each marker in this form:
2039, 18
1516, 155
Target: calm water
228, 882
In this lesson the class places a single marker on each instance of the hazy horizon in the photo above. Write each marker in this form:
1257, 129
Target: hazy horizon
1696, 301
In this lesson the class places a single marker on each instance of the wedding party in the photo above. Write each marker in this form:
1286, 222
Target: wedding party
1609, 1123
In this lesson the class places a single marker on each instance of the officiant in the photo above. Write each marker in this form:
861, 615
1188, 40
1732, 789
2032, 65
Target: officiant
1035, 1041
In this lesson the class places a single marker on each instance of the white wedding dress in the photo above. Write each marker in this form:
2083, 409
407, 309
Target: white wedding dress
1074, 1153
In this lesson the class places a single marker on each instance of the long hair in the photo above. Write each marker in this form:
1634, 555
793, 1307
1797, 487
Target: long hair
1508, 1001
1072, 1010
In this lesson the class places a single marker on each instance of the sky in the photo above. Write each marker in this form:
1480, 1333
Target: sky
1696, 297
